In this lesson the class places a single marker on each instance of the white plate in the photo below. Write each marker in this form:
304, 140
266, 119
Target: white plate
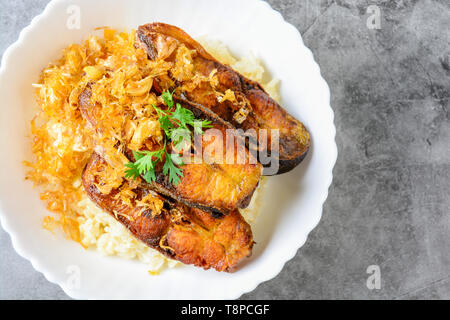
293, 202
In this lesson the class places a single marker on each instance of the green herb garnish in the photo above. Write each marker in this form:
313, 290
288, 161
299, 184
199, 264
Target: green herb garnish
175, 125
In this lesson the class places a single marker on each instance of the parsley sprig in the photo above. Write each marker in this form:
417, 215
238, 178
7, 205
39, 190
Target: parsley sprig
175, 125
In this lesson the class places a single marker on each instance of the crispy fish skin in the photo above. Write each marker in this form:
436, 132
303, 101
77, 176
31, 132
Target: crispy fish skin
185, 234
210, 185
159, 40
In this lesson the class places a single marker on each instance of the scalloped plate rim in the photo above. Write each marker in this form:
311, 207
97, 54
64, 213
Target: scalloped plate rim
16, 241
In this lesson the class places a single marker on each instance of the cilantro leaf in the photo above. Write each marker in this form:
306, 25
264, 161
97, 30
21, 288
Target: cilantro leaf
181, 137
166, 125
169, 168
144, 165
150, 176
199, 125
183, 115
168, 99
175, 126
132, 171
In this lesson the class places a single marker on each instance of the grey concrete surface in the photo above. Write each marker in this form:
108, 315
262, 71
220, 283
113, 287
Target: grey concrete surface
389, 202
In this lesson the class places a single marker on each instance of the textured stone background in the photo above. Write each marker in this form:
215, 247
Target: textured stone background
389, 202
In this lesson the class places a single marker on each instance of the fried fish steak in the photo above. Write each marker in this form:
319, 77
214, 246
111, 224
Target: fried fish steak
221, 177
186, 234
250, 108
